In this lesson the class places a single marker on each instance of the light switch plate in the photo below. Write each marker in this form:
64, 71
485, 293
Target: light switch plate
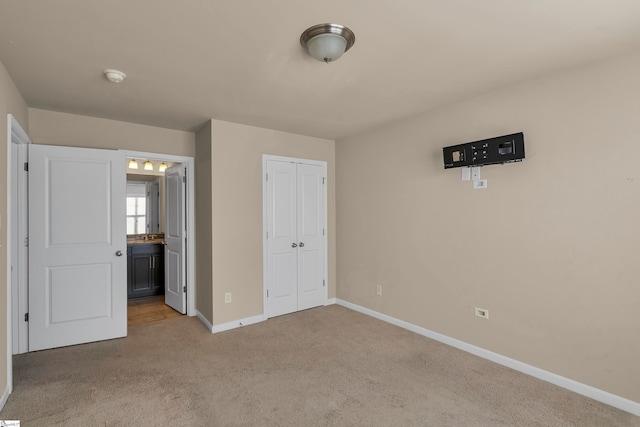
475, 173
466, 174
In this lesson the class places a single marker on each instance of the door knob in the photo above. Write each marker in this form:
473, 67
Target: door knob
293, 245
301, 245
118, 253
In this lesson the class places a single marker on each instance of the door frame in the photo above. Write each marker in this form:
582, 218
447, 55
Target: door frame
190, 218
265, 159
17, 141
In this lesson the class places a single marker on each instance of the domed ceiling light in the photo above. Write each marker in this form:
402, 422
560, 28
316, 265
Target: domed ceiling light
327, 42
114, 76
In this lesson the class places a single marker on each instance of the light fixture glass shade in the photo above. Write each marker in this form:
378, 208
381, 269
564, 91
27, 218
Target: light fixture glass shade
133, 164
327, 42
163, 167
327, 47
148, 166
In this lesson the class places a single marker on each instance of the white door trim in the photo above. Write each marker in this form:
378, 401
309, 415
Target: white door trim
191, 218
16, 137
265, 159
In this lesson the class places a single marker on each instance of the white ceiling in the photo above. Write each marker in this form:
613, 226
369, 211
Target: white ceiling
191, 60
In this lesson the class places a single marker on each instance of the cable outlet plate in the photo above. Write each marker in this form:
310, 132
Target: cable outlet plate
227, 298
379, 290
481, 312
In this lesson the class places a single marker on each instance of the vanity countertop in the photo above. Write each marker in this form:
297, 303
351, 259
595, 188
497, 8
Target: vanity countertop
140, 239
143, 242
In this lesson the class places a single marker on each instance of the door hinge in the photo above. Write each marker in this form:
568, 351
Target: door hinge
267, 293
26, 241
26, 166
26, 317
266, 177
184, 179
323, 231
267, 235
323, 283
324, 180
184, 289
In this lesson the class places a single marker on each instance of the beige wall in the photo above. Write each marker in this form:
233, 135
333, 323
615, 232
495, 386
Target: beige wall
54, 128
237, 210
204, 223
550, 248
10, 102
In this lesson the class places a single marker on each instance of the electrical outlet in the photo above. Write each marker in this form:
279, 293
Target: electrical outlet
481, 312
479, 184
227, 297
379, 290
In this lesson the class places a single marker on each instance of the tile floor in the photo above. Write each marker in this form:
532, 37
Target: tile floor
150, 309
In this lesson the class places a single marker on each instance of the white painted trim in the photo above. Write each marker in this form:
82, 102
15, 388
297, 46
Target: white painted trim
191, 218
5, 396
204, 321
237, 323
331, 301
16, 134
324, 165
569, 384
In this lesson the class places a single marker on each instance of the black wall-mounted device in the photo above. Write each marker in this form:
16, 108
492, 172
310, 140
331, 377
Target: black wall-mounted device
501, 149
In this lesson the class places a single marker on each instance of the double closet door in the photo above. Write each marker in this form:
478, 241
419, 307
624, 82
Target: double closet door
295, 211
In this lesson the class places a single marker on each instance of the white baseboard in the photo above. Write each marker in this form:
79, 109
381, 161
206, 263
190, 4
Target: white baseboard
580, 388
237, 323
5, 396
204, 321
331, 301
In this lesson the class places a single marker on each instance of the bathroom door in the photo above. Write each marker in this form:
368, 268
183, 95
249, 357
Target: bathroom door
77, 246
175, 289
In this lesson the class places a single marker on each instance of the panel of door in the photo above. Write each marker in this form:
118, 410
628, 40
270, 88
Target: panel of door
311, 292
77, 246
282, 239
175, 295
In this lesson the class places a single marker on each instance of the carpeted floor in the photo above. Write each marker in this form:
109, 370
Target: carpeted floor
327, 366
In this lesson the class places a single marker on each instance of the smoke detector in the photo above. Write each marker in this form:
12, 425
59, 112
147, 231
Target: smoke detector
114, 76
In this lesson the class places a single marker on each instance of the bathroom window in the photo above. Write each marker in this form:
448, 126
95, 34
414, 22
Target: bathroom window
136, 208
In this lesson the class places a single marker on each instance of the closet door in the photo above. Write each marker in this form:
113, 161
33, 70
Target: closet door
311, 292
295, 237
282, 271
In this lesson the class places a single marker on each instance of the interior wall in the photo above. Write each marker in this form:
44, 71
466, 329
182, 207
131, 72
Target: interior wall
204, 223
550, 248
237, 211
11, 102
55, 128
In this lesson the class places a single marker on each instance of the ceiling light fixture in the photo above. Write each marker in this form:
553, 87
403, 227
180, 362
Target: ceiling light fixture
114, 76
148, 166
133, 164
327, 42
162, 167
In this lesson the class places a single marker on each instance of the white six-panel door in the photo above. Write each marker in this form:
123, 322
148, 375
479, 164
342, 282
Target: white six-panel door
77, 246
295, 236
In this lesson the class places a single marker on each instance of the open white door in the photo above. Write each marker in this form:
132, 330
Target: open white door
77, 246
175, 293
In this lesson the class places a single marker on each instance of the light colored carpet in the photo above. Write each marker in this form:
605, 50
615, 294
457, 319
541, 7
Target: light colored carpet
327, 366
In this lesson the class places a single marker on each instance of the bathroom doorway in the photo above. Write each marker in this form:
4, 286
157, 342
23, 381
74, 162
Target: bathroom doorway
160, 220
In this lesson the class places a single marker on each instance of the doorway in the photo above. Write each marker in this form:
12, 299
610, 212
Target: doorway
160, 219
18, 253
